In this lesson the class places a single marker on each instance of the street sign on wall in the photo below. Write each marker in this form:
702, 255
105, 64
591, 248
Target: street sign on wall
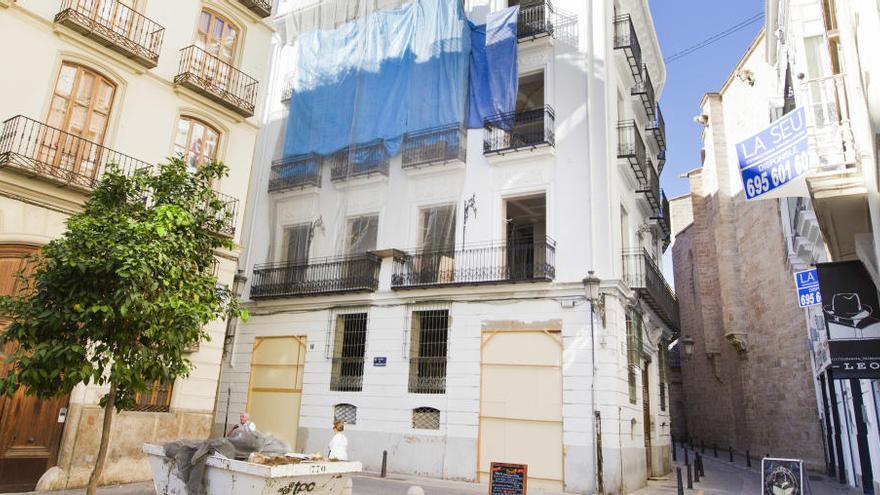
852, 322
807, 283
775, 156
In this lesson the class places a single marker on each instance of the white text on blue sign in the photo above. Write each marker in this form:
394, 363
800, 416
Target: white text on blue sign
775, 156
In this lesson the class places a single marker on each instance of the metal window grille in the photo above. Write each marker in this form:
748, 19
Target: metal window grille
349, 346
156, 399
631, 377
633, 338
428, 351
662, 363
347, 413
425, 418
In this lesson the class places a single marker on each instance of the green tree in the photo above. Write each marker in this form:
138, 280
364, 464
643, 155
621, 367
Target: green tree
124, 292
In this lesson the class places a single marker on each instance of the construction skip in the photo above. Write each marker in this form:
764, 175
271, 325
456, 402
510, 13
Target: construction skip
225, 476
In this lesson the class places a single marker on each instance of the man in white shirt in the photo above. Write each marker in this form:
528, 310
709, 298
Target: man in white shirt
244, 424
339, 443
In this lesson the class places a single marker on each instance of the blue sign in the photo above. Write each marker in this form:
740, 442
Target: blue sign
807, 283
776, 156
380, 362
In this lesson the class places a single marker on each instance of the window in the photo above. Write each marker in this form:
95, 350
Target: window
346, 413
526, 222
81, 104
296, 243
217, 36
156, 399
633, 349
196, 142
437, 243
662, 365
361, 234
829, 15
425, 418
349, 345
427, 351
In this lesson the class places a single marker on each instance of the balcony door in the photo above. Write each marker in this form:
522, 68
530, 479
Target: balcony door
217, 36
526, 233
360, 238
436, 257
78, 114
297, 240
196, 142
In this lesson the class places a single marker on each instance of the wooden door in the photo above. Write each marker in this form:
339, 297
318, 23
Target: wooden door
30, 431
646, 411
275, 390
521, 404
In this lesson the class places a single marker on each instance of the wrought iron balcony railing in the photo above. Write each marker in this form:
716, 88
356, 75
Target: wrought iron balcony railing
427, 375
434, 146
643, 276
229, 213
651, 189
657, 127
215, 79
39, 150
263, 8
295, 172
663, 220
539, 19
644, 89
625, 39
829, 124
527, 260
527, 129
631, 147
116, 26
358, 273
347, 374
359, 160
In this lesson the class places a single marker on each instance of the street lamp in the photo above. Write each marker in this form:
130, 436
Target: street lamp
597, 308
594, 295
687, 345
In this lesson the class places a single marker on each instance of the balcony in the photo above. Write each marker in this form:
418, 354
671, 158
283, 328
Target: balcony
527, 129
657, 128
359, 160
229, 213
336, 275
434, 147
296, 172
216, 80
651, 189
541, 20
116, 26
631, 147
262, 8
662, 217
625, 39
644, 89
642, 275
492, 263
38, 150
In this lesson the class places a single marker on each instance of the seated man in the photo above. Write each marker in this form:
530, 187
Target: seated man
244, 424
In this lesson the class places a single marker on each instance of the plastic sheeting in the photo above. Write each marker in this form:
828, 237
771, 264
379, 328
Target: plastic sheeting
492, 84
375, 78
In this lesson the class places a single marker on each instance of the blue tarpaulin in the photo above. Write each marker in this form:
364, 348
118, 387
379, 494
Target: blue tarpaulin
378, 77
493, 78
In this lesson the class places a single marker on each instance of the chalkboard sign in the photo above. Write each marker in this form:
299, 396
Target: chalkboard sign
782, 476
507, 479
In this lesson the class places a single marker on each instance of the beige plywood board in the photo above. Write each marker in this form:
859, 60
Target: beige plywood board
275, 390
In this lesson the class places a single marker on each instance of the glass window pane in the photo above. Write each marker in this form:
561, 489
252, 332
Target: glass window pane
77, 120
65, 80
211, 140
104, 97
84, 90
57, 112
204, 22
182, 133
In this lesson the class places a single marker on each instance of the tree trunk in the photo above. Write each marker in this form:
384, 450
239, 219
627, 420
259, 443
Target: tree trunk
109, 409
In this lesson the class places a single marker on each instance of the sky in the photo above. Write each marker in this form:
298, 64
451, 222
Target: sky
681, 24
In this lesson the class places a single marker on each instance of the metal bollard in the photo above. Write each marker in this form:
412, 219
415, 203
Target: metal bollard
702, 447
715, 449
690, 478
384, 463
673, 451
687, 460
748, 459
699, 465
678, 477
730, 453
696, 468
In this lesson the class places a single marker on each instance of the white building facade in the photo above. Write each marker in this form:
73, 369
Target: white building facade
440, 303
825, 58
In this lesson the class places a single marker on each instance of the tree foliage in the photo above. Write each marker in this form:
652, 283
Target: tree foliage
128, 288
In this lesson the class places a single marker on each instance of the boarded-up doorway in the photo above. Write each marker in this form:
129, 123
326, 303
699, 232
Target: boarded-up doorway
275, 391
521, 404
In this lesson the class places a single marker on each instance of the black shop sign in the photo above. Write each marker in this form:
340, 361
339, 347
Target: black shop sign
507, 479
852, 319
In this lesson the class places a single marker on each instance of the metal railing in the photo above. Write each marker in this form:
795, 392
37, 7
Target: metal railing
631, 147
295, 172
517, 130
828, 121
427, 375
37, 149
347, 374
657, 127
229, 213
116, 25
211, 77
650, 187
662, 218
642, 275
434, 146
358, 273
625, 39
359, 160
540, 19
529, 260
262, 8
644, 89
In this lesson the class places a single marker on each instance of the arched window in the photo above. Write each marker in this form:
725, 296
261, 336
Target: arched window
80, 109
346, 413
217, 35
196, 141
425, 418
